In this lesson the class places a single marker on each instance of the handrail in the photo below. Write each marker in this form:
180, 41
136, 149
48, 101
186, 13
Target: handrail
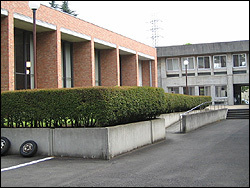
195, 108
201, 105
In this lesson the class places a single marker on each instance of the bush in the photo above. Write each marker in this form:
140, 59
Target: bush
88, 107
180, 102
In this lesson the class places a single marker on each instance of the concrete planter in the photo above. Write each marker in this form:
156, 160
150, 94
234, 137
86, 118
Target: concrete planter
101, 143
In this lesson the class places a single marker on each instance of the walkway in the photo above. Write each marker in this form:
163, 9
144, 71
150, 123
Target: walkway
216, 155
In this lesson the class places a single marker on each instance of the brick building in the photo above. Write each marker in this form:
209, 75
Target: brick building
70, 52
220, 70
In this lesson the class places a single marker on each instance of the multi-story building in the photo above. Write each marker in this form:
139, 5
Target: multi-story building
70, 52
219, 70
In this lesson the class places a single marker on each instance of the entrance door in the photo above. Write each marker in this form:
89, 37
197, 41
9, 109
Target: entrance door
24, 73
241, 94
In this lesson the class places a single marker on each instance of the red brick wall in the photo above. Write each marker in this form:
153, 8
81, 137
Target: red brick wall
129, 70
110, 74
48, 60
145, 73
7, 53
109, 67
83, 64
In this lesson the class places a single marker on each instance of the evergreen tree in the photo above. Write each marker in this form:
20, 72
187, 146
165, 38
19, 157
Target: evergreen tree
53, 4
65, 8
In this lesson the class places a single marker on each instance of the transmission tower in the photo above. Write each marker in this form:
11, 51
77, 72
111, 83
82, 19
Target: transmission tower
155, 31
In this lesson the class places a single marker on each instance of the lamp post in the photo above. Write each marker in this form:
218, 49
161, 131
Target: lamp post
34, 5
186, 64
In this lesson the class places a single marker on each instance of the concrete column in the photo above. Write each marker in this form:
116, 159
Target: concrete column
195, 66
230, 91
180, 68
212, 65
213, 93
7, 53
162, 74
196, 90
181, 91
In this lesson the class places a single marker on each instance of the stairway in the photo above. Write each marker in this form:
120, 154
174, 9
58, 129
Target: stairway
238, 114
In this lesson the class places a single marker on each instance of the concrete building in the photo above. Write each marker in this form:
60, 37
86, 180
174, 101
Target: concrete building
70, 52
219, 70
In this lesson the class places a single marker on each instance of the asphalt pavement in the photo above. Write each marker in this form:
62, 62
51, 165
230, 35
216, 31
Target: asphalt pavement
216, 155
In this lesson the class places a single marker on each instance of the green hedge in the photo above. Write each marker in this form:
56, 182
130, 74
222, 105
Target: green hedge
181, 103
90, 106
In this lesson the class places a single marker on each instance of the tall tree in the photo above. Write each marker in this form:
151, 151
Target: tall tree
65, 8
53, 4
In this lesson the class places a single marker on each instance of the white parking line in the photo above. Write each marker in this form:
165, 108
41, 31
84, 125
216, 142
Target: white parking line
26, 164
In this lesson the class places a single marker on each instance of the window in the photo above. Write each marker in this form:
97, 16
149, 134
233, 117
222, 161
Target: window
191, 90
97, 68
205, 90
239, 60
219, 61
173, 64
173, 89
67, 70
203, 62
190, 63
221, 91
23, 57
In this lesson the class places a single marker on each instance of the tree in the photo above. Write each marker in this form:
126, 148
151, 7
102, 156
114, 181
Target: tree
53, 4
65, 8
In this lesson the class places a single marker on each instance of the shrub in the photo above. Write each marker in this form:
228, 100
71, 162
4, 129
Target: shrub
180, 102
90, 106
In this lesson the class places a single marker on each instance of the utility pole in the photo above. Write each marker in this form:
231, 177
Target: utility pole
154, 30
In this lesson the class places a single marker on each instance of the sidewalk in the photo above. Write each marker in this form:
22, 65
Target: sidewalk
237, 106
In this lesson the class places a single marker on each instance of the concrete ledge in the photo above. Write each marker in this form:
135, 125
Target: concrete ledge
196, 120
172, 118
101, 143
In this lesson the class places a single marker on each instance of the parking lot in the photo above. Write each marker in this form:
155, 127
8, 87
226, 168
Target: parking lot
214, 155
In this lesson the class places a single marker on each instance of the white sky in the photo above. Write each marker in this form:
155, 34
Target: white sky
180, 22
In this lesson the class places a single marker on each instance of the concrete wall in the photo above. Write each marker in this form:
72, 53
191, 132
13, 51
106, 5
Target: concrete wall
193, 121
101, 143
172, 118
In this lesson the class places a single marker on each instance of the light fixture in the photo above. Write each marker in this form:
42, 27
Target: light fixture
28, 64
186, 62
34, 5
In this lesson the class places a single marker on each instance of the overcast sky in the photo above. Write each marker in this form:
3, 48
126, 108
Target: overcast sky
179, 22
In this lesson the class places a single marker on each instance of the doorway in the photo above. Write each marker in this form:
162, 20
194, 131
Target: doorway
241, 94
24, 70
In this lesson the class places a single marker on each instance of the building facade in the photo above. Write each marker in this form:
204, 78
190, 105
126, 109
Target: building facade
219, 70
70, 52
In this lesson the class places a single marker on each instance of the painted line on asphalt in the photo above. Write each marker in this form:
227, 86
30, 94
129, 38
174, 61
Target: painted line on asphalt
26, 164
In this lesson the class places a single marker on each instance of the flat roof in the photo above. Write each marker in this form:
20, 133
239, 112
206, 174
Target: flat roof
204, 48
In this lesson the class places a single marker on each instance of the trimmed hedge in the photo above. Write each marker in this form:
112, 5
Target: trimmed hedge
90, 106
181, 103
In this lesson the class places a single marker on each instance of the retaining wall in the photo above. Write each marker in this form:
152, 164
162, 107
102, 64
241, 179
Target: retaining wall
101, 143
193, 121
